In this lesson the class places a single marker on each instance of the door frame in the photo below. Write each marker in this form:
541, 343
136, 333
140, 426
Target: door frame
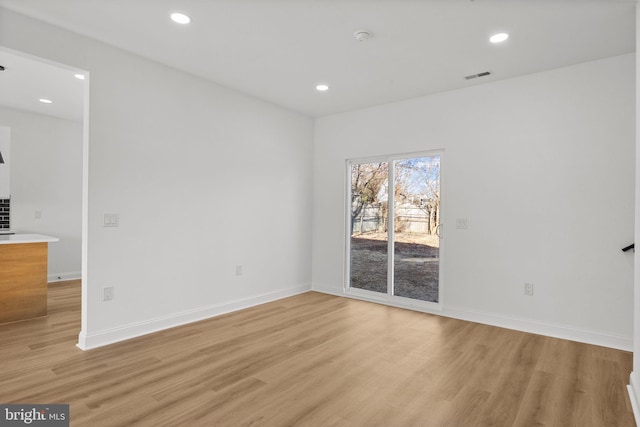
389, 298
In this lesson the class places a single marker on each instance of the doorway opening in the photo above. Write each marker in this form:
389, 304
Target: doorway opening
46, 104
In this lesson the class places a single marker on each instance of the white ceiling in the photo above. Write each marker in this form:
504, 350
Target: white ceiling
25, 80
278, 50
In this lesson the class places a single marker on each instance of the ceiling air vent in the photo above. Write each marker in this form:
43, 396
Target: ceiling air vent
473, 76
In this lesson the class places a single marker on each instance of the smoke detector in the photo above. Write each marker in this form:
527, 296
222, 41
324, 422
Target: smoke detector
362, 35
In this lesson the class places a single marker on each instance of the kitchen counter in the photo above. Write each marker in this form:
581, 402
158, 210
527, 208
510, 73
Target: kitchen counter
23, 276
26, 238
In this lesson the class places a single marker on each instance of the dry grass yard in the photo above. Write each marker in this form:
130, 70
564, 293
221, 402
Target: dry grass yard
314, 360
416, 264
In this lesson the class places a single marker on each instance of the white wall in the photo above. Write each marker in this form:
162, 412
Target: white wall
180, 159
5, 170
46, 176
543, 168
634, 378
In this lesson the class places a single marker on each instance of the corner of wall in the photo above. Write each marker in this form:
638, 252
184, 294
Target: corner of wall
328, 289
137, 329
634, 381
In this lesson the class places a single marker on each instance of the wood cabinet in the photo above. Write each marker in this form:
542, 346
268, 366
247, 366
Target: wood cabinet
23, 278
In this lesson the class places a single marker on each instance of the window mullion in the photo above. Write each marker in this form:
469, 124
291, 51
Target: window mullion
391, 194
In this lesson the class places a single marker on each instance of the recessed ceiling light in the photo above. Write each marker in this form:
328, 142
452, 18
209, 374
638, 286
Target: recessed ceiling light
498, 38
79, 76
180, 18
322, 88
45, 101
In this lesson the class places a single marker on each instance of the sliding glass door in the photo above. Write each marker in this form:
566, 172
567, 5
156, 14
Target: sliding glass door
394, 242
369, 238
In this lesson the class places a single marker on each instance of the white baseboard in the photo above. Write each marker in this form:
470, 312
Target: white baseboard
326, 289
133, 330
61, 277
493, 319
541, 328
634, 393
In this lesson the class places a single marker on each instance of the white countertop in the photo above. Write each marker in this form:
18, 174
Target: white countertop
8, 239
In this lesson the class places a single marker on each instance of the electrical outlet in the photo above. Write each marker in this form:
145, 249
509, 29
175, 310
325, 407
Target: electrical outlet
107, 293
238, 270
461, 223
528, 289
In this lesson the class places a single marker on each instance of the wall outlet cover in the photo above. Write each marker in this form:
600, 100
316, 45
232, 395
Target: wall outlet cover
107, 293
461, 223
528, 289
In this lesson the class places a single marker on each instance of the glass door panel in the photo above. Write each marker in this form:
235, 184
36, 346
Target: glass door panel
369, 221
416, 219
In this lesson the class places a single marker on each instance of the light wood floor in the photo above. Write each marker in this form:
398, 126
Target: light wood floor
314, 360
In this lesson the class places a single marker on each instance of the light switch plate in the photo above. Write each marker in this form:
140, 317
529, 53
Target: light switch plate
111, 220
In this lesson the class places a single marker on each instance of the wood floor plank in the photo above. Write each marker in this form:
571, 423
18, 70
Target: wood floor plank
314, 360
